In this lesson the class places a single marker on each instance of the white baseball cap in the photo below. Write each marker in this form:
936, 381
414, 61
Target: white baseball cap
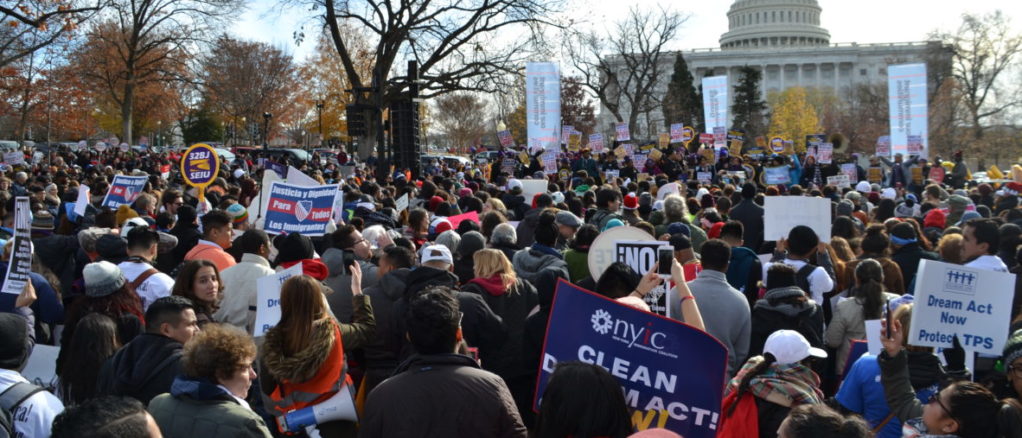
863, 186
436, 253
512, 183
132, 223
789, 346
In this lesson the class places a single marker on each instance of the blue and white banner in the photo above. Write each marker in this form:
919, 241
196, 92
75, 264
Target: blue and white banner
715, 102
673, 375
950, 300
906, 89
543, 105
292, 208
776, 175
124, 190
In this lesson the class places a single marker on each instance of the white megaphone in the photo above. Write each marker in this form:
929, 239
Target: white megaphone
341, 406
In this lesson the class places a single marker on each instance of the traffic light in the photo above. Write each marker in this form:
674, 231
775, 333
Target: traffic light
356, 121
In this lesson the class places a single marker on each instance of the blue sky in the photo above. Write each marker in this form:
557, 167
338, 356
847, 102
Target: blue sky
862, 21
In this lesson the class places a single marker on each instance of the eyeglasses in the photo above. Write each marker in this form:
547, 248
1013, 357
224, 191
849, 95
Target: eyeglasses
1016, 370
935, 398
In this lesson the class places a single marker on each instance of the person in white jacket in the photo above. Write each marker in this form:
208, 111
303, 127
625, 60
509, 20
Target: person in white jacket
238, 307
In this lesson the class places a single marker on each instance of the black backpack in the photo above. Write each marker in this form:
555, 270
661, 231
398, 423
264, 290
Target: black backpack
802, 278
10, 399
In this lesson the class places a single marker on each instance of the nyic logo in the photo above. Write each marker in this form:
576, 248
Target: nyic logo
963, 282
633, 335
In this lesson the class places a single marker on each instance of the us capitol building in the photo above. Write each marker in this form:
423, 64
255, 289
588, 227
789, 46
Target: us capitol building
784, 40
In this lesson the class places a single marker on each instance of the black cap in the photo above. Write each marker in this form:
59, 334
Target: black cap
14, 347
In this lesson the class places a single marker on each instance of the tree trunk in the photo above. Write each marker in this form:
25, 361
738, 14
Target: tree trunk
126, 109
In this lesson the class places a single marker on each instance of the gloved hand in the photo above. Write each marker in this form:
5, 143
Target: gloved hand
955, 357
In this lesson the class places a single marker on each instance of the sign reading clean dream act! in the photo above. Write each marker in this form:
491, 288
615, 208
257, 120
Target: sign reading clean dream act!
295, 209
672, 374
973, 304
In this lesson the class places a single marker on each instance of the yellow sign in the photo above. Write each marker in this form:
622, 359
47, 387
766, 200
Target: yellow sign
655, 154
875, 175
665, 140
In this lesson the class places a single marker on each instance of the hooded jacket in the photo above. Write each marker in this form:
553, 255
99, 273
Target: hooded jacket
441, 395
513, 305
527, 227
142, 369
238, 306
340, 283
198, 407
907, 257
807, 319
464, 266
528, 262
381, 353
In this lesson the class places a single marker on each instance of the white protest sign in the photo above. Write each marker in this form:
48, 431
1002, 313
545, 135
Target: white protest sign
602, 252
968, 302
873, 344
268, 292
12, 158
402, 203
533, 187
83, 200
298, 178
41, 368
782, 213
257, 207
704, 177
839, 181
20, 263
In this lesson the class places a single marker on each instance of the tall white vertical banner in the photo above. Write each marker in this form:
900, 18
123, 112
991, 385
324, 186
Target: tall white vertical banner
543, 105
715, 102
906, 89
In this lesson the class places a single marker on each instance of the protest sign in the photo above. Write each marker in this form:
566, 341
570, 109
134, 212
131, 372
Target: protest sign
642, 176
566, 132
472, 216
291, 208
706, 139
124, 190
41, 368
621, 152
937, 174
777, 145
875, 175
611, 174
257, 207
20, 263
776, 175
884, 146
402, 203
543, 105
719, 137
815, 140
957, 300
124, 147
299, 178
14, 158
782, 213
200, 165
687, 135
655, 154
715, 103
677, 133
596, 143
622, 132
639, 160
533, 187
907, 106
664, 141
602, 251
549, 161
672, 374
917, 174
825, 153
839, 181
505, 138
99, 146
850, 170
83, 200
574, 141
508, 166
640, 255
704, 177
268, 294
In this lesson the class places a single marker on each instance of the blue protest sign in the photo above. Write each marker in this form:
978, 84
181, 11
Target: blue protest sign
296, 209
124, 190
673, 375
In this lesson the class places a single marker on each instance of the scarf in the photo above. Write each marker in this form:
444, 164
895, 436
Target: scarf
493, 285
546, 250
795, 383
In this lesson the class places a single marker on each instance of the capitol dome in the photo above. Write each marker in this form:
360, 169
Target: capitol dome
774, 24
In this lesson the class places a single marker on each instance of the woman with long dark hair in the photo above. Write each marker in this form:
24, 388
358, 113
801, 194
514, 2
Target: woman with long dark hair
582, 400
876, 244
866, 301
95, 340
199, 281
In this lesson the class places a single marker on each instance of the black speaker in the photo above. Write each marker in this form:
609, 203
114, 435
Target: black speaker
405, 134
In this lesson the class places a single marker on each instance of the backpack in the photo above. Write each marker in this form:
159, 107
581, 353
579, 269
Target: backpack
10, 399
802, 278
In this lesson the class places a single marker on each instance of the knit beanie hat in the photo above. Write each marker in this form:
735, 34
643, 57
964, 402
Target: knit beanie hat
293, 247
1012, 348
124, 212
958, 202
14, 350
42, 220
935, 218
845, 208
238, 213
102, 279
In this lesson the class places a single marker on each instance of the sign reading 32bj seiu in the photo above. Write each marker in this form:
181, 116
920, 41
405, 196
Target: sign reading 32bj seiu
297, 209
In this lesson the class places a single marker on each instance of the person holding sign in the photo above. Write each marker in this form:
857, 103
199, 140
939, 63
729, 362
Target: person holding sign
963, 408
303, 359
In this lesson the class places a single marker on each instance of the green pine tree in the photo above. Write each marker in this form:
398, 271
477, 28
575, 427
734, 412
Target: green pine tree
201, 125
682, 104
748, 108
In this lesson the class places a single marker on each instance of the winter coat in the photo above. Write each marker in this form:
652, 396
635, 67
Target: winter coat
513, 305
142, 369
382, 350
894, 374
187, 237
751, 216
340, 283
528, 262
527, 227
578, 264
464, 264
238, 307
744, 272
441, 395
806, 319
908, 258
199, 408
847, 324
57, 252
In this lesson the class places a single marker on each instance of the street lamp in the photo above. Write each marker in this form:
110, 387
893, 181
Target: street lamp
244, 128
319, 111
266, 130
159, 132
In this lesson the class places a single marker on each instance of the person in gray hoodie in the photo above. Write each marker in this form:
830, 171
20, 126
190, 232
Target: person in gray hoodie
541, 255
347, 238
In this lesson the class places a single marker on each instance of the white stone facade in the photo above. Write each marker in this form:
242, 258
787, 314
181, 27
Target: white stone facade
788, 53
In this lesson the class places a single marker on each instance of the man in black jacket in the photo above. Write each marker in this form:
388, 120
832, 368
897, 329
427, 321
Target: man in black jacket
751, 217
146, 366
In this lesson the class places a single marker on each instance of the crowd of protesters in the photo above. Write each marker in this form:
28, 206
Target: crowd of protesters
437, 330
